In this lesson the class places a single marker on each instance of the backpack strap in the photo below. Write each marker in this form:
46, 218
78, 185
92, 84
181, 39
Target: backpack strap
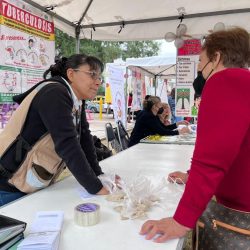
22, 145
4, 172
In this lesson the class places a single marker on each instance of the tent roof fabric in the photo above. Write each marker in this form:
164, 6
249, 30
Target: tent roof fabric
144, 19
155, 65
163, 66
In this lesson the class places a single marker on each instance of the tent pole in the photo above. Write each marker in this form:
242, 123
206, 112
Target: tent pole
77, 32
155, 83
78, 27
78, 45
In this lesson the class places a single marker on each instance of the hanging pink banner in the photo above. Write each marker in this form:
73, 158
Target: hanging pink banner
190, 47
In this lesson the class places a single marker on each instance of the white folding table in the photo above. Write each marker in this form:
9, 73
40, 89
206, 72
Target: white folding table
111, 232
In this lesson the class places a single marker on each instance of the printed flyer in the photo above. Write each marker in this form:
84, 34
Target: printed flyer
187, 103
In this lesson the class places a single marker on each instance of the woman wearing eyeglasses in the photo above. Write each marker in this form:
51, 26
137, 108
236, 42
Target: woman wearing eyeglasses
148, 122
49, 130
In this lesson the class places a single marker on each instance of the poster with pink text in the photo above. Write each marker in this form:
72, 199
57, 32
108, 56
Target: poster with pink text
27, 46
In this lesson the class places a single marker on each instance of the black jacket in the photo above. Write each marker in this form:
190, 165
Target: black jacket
149, 124
51, 111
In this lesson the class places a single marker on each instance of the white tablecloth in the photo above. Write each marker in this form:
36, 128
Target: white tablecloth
111, 232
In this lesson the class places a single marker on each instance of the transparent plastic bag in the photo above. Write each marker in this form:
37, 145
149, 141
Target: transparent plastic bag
138, 196
109, 181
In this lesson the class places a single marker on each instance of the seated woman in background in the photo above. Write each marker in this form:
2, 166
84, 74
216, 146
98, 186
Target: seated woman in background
165, 117
148, 123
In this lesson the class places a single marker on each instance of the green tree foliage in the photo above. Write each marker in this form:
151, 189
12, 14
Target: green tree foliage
106, 51
101, 90
140, 49
65, 44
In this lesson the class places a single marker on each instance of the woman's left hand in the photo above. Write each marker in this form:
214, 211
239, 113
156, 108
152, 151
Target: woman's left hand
163, 230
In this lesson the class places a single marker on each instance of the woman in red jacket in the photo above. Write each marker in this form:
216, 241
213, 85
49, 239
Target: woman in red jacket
220, 164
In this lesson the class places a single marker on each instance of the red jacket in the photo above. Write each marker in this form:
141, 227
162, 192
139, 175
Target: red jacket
221, 160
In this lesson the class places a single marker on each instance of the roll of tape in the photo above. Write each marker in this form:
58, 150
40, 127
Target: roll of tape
87, 214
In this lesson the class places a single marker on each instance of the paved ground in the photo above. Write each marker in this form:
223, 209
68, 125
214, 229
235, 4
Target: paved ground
97, 125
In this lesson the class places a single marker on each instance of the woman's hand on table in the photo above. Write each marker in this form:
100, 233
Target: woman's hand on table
163, 230
178, 177
184, 130
103, 191
109, 183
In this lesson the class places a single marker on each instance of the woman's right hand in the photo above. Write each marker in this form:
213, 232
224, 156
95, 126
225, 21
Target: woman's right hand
178, 176
103, 191
184, 130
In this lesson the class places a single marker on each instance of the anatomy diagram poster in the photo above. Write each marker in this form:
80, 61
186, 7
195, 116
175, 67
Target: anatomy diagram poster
27, 46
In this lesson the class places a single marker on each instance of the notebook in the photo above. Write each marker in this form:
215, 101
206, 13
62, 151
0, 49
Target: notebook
11, 242
9, 228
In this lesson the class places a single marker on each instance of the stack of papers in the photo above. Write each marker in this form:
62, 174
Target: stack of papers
11, 231
45, 232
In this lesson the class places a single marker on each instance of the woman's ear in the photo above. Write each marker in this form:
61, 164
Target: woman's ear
70, 75
217, 59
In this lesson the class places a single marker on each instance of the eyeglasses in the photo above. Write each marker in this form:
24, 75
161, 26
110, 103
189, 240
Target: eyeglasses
92, 74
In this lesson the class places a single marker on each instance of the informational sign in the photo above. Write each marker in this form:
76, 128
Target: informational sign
162, 90
116, 80
150, 89
185, 71
136, 82
27, 46
183, 101
143, 85
187, 61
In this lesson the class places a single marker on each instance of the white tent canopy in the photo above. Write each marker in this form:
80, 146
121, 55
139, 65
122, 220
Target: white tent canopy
143, 19
158, 66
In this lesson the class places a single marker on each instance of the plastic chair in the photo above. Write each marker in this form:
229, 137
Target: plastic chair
112, 137
123, 135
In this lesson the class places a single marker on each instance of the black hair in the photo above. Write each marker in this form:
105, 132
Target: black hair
146, 97
75, 61
196, 96
149, 103
31, 40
